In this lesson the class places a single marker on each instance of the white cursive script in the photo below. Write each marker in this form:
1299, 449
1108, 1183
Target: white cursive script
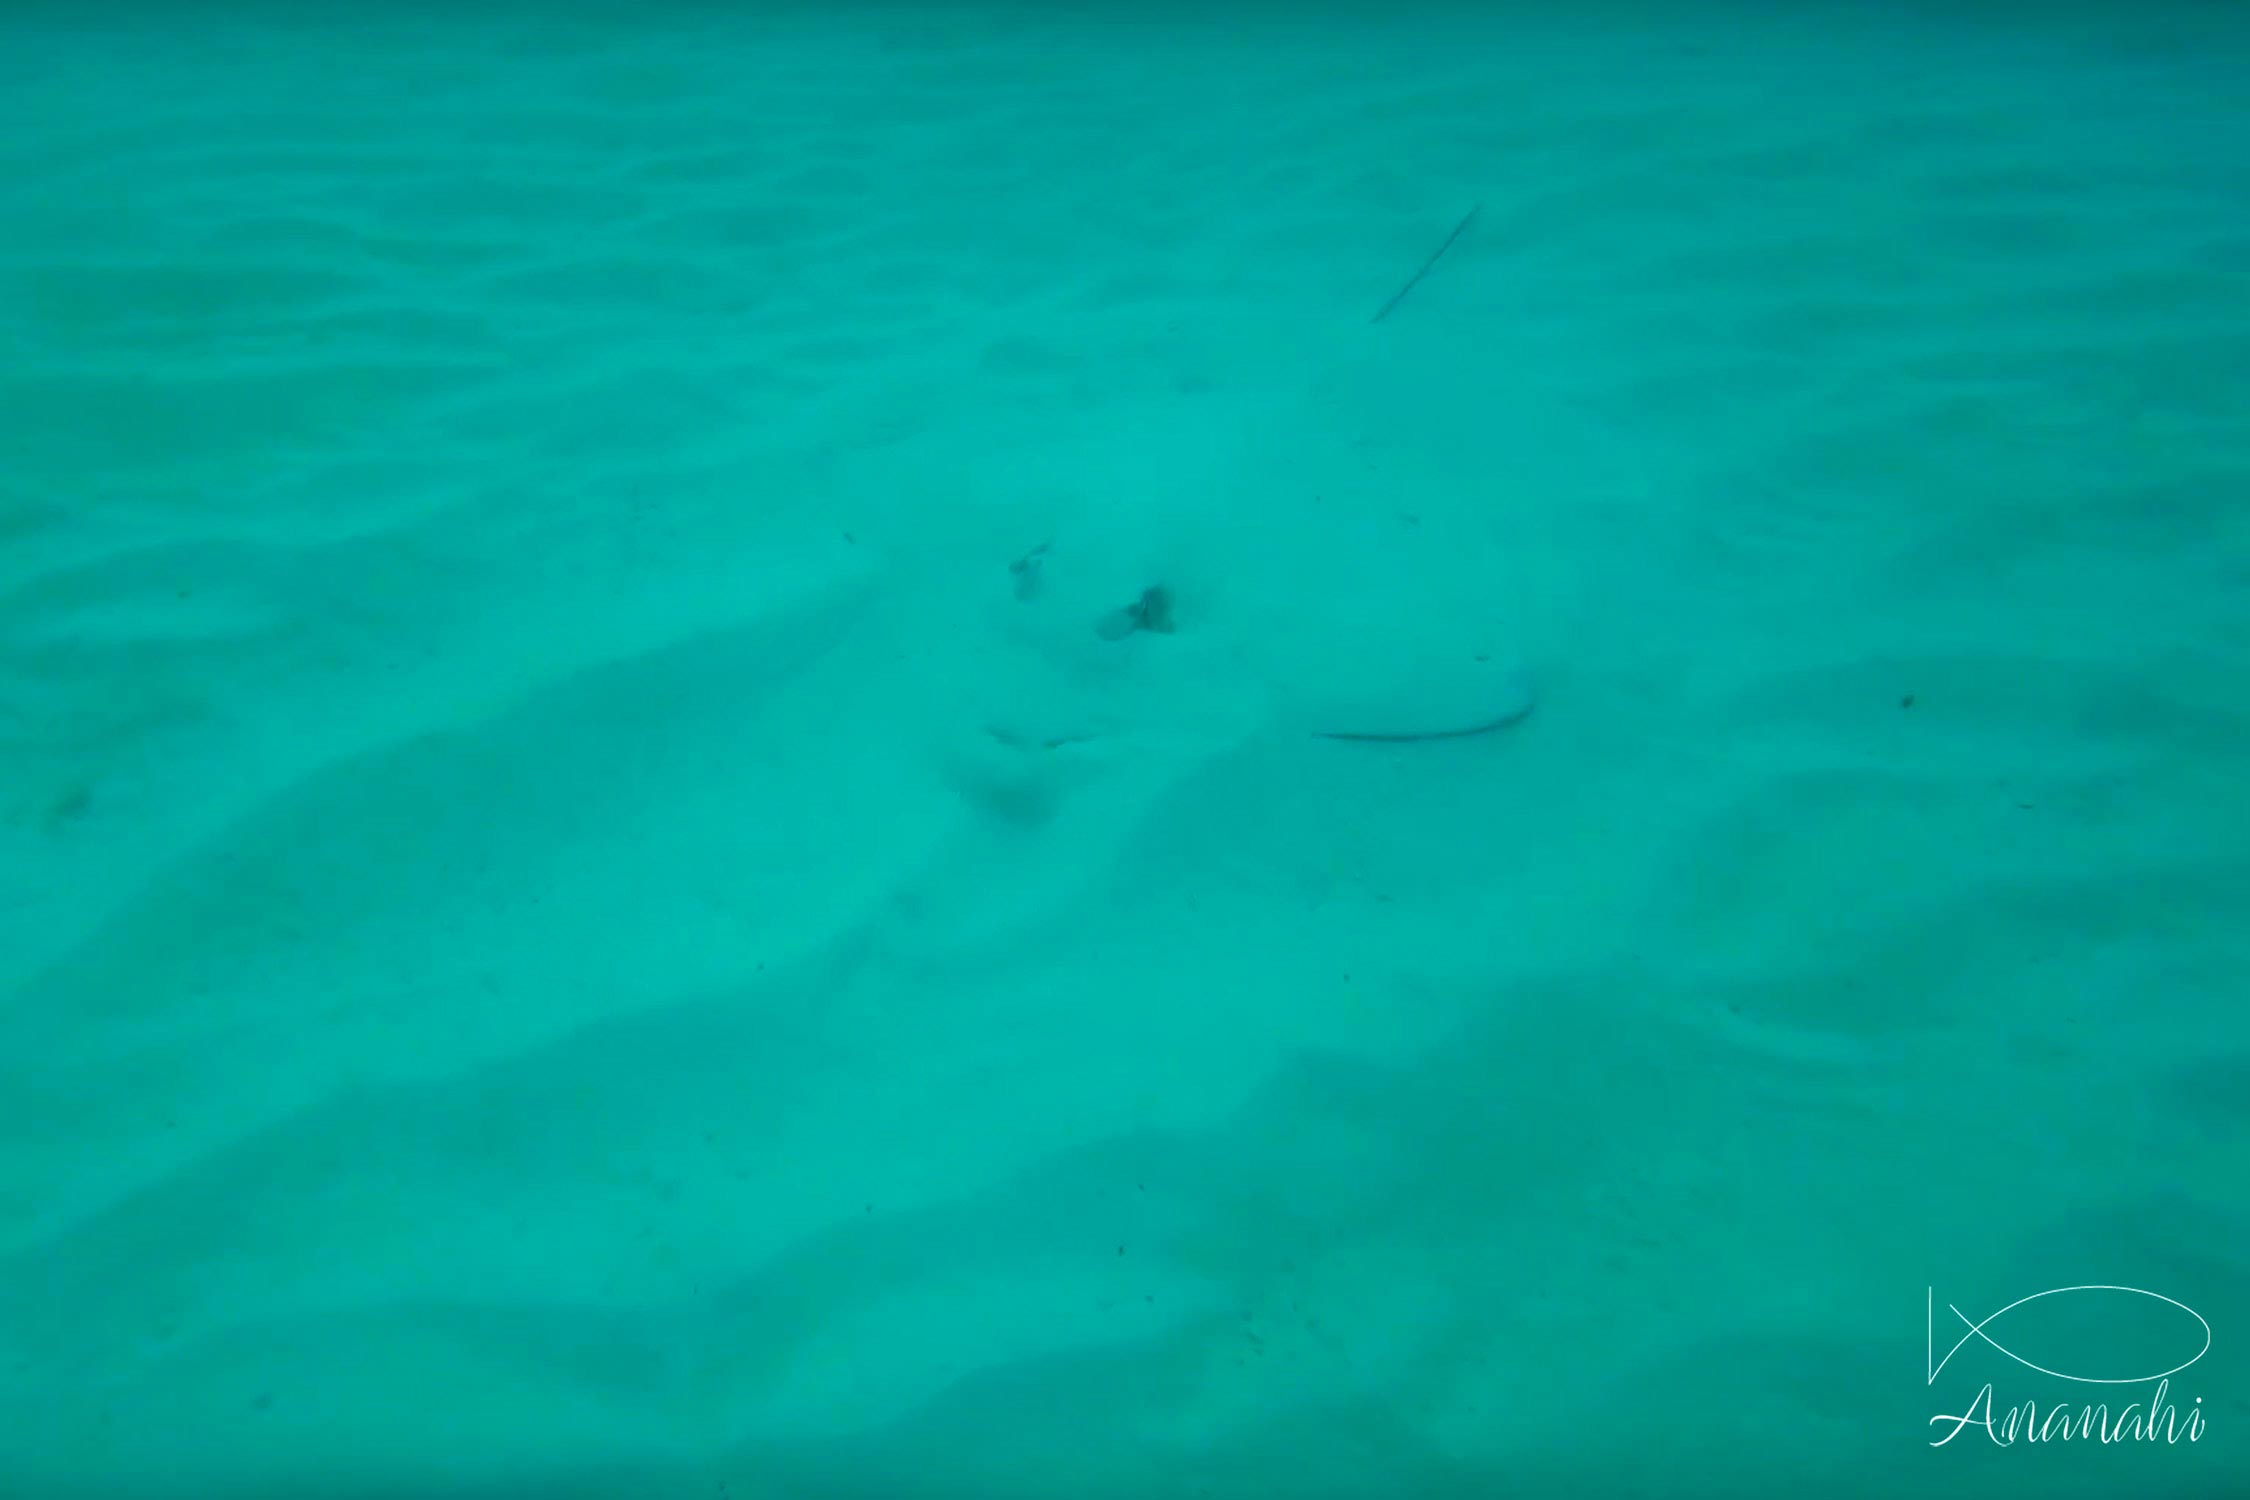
2160, 1422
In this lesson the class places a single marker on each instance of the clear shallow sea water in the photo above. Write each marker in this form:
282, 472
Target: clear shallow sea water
570, 925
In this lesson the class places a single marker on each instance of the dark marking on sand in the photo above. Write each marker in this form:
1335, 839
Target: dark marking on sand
1468, 731
1412, 281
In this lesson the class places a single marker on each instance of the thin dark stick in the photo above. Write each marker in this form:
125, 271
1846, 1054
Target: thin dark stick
1400, 295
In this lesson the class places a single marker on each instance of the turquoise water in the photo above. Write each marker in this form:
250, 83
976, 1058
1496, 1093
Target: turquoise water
731, 750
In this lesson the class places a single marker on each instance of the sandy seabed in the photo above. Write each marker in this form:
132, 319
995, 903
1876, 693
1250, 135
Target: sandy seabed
586, 909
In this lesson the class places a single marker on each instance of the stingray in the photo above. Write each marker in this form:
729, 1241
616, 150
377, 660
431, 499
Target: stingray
1431, 696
